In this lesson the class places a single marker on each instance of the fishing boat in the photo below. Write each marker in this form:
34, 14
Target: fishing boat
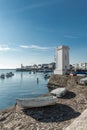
81, 73
46, 76
10, 74
36, 102
2, 76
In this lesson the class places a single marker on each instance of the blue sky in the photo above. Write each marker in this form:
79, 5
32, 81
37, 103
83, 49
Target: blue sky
30, 30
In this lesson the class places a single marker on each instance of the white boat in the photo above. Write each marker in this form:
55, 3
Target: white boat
36, 102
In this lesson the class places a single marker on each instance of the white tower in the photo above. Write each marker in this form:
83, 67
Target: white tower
62, 60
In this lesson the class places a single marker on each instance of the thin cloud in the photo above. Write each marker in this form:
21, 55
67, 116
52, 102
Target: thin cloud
35, 47
2, 48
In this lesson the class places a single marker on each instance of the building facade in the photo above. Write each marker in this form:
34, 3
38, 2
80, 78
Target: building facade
82, 66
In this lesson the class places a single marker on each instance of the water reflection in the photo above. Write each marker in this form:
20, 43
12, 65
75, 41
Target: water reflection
21, 75
21, 85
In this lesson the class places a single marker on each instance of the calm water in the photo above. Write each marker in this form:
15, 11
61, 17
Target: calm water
21, 85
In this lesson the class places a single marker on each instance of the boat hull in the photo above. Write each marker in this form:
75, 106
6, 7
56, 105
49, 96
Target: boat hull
37, 102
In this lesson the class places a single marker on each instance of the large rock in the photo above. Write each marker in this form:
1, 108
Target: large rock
59, 92
83, 81
56, 81
79, 123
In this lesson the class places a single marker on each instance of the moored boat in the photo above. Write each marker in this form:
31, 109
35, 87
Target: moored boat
81, 73
10, 74
37, 102
7, 75
46, 76
2, 76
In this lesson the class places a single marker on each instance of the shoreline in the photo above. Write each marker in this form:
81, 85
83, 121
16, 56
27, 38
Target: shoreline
55, 117
7, 109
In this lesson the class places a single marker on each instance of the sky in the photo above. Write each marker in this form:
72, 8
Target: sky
30, 31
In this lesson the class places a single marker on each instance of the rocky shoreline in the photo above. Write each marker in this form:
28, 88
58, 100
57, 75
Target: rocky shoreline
56, 81
56, 117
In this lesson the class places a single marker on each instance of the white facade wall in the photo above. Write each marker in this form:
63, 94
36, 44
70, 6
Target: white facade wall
62, 60
80, 66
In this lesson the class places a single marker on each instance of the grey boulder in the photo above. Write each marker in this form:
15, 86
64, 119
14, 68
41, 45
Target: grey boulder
59, 92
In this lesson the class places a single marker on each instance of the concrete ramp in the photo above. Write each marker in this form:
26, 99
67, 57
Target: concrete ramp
79, 123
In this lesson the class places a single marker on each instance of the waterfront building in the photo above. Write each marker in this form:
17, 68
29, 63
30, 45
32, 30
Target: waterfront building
28, 67
51, 65
45, 66
22, 67
34, 66
39, 66
82, 66
62, 60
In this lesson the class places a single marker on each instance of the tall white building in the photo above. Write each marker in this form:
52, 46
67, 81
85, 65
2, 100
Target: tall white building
62, 60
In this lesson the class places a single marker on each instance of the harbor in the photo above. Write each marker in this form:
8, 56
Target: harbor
55, 117
43, 65
41, 97
21, 85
